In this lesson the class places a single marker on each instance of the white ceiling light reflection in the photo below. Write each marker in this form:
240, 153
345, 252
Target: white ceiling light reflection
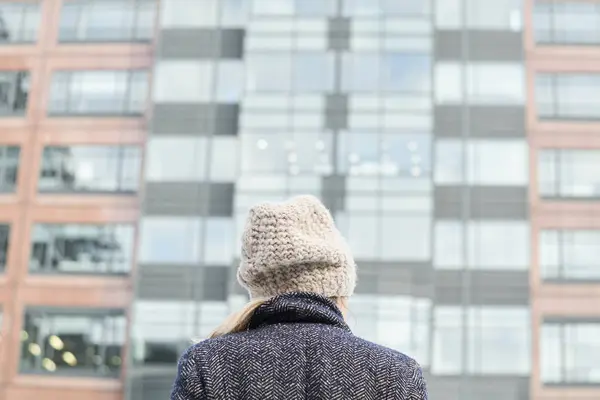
415, 171
262, 144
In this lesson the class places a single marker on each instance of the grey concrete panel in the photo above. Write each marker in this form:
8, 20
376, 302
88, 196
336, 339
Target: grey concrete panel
194, 119
175, 198
496, 287
201, 43
339, 34
336, 111
169, 282
478, 387
481, 45
484, 121
333, 192
551, 319
485, 202
395, 278
221, 199
215, 283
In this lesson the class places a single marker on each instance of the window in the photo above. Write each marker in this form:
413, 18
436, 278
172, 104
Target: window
568, 96
570, 254
9, 168
183, 81
219, 241
107, 21
304, 72
570, 352
369, 154
230, 81
173, 240
486, 245
19, 22
4, 245
387, 236
569, 173
98, 93
81, 249
189, 165
91, 169
74, 342
391, 72
497, 338
571, 23
484, 156
295, 153
372, 8
486, 83
14, 92
189, 13
497, 15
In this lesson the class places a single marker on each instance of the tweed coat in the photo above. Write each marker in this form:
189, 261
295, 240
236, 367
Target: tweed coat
297, 347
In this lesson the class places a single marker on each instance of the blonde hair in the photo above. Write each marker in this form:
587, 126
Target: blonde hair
240, 321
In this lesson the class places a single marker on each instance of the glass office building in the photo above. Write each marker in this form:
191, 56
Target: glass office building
454, 141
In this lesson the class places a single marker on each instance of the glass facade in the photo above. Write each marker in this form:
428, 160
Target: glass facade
433, 131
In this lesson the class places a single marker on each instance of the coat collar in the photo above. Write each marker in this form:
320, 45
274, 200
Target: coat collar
298, 308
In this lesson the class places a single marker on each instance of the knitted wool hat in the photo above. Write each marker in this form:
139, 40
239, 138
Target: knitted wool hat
295, 246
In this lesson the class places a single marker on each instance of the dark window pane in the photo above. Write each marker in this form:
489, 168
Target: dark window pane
14, 92
4, 244
107, 21
9, 167
570, 352
572, 23
95, 169
567, 96
98, 93
570, 255
569, 173
19, 22
77, 249
74, 342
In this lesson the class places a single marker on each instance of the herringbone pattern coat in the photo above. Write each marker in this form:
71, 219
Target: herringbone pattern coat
297, 347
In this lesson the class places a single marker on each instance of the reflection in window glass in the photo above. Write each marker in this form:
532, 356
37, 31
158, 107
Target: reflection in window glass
107, 21
486, 245
184, 81
230, 81
234, 13
219, 241
569, 173
368, 154
498, 340
273, 7
570, 254
19, 22
9, 168
189, 165
313, 72
225, 159
496, 15
392, 72
81, 249
98, 92
568, 96
188, 13
570, 353
295, 153
572, 23
173, 240
484, 156
95, 169
14, 92
315, 8
73, 342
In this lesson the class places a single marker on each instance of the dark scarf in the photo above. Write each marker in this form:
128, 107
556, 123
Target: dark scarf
298, 308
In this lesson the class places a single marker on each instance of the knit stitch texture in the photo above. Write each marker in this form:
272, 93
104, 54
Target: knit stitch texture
295, 246
298, 347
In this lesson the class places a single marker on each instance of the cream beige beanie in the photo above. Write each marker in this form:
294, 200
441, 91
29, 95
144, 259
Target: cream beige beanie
295, 246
